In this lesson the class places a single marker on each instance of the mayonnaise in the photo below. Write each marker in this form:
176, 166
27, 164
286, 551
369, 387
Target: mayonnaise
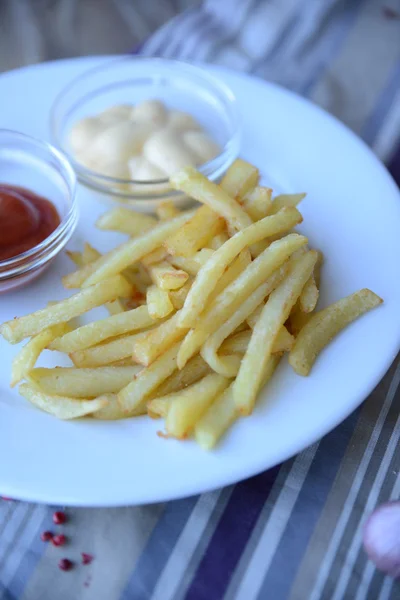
141, 142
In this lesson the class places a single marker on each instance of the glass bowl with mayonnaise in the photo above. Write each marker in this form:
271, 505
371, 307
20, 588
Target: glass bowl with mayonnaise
131, 123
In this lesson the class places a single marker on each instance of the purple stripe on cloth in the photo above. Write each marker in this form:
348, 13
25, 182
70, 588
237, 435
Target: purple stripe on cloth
394, 165
230, 537
158, 549
307, 510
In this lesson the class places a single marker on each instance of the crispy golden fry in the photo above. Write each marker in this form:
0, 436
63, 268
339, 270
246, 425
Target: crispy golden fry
60, 406
218, 240
16, 330
223, 412
178, 297
83, 383
99, 331
125, 220
76, 257
237, 343
158, 340
195, 369
273, 316
193, 264
166, 277
298, 319
231, 273
188, 405
309, 295
240, 178
158, 303
325, 324
26, 358
255, 315
113, 411
158, 407
166, 210
268, 267
285, 200
200, 188
89, 254
156, 256
229, 365
135, 393
125, 254
210, 274
106, 353
257, 203
196, 233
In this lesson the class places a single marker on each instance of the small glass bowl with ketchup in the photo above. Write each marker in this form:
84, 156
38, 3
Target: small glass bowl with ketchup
38, 211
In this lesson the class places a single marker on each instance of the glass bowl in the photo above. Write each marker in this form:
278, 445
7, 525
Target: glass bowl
41, 168
130, 80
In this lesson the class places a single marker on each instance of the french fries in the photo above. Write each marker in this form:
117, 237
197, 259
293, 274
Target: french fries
200, 188
325, 324
215, 266
203, 305
60, 406
65, 310
99, 331
159, 303
26, 358
126, 221
195, 233
273, 316
187, 406
240, 178
83, 383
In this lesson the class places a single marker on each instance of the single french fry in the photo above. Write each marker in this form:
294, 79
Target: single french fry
112, 411
60, 406
104, 329
125, 254
188, 405
322, 327
107, 353
159, 303
200, 188
285, 200
240, 178
178, 297
196, 233
158, 340
156, 256
193, 264
26, 358
212, 271
166, 210
126, 221
257, 203
269, 267
309, 295
223, 412
229, 365
274, 314
255, 315
89, 254
158, 407
218, 240
83, 383
166, 276
16, 330
237, 343
76, 257
135, 393
195, 369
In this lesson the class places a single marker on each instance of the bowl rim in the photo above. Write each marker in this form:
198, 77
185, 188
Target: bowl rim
103, 183
21, 263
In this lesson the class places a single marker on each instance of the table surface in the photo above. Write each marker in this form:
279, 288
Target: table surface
293, 532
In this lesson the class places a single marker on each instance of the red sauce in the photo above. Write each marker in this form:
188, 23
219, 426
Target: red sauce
26, 219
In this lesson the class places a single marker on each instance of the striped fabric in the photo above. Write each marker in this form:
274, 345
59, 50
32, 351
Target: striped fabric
293, 532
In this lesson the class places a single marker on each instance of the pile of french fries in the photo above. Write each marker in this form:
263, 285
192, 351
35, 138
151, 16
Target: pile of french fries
202, 306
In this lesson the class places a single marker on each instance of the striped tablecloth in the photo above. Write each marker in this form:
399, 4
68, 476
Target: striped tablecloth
293, 532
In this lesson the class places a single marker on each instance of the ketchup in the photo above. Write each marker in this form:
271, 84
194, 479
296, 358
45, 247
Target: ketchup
26, 219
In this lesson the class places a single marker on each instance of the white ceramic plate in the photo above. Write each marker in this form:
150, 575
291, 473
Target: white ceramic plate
352, 213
